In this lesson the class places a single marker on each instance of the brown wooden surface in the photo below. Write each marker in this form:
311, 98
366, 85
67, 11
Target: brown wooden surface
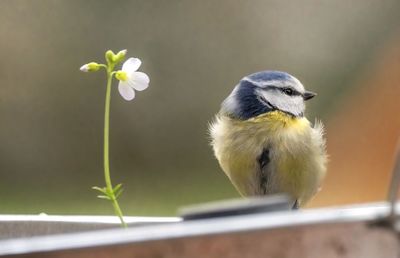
356, 240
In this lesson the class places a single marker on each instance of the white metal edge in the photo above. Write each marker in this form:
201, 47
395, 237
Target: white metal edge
85, 219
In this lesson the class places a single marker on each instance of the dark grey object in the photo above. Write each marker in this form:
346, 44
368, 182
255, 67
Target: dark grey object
236, 207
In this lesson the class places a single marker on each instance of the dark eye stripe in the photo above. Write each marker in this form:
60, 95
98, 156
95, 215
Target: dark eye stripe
285, 89
290, 91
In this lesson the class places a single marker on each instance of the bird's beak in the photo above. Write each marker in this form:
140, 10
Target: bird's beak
309, 95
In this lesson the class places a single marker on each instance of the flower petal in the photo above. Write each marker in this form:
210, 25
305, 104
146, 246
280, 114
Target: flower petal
126, 91
84, 68
139, 81
131, 65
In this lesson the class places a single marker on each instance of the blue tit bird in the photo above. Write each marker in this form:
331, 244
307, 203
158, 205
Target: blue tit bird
263, 142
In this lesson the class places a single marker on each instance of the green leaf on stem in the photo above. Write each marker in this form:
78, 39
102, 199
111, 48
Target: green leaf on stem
103, 197
100, 189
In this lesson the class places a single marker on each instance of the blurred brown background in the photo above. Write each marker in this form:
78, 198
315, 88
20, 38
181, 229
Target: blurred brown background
195, 52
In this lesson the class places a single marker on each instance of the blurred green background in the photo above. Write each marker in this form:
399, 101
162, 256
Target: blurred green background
194, 52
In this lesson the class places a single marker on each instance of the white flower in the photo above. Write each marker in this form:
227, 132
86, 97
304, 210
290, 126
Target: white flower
131, 80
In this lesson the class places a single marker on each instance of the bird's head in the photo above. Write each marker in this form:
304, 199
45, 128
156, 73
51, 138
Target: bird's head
266, 91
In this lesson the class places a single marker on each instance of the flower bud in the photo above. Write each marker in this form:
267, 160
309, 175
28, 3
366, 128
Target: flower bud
110, 57
120, 56
90, 67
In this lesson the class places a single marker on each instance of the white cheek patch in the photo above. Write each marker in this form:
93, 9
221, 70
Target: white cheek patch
290, 104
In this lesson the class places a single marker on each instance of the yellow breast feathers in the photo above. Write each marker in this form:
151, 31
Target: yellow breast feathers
295, 162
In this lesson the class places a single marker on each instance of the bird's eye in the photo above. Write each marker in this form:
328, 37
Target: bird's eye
288, 91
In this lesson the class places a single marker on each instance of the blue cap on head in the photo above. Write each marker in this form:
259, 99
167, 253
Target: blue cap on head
269, 76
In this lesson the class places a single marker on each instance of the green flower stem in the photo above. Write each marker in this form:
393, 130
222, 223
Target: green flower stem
107, 177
